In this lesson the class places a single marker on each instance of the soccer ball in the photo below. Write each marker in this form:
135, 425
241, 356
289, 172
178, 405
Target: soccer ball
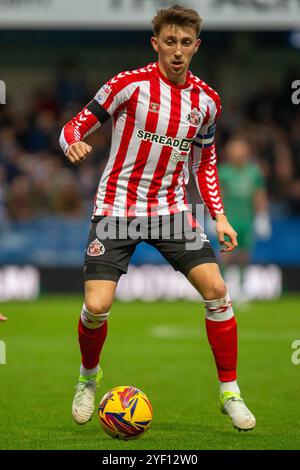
125, 413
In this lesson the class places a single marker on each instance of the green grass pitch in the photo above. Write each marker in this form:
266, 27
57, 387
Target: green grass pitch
162, 349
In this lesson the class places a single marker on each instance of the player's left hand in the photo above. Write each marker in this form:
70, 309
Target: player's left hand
223, 228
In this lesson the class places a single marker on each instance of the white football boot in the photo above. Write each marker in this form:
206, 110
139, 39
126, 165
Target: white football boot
83, 405
233, 405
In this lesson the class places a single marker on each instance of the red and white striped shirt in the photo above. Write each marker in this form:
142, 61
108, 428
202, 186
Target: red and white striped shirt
157, 127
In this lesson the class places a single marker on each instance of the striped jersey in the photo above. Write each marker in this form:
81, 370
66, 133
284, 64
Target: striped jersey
157, 127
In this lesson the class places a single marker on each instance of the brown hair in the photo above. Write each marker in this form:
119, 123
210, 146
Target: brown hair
178, 15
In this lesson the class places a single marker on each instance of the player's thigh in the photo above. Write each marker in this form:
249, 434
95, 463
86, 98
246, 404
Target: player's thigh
183, 243
208, 281
99, 295
106, 259
107, 255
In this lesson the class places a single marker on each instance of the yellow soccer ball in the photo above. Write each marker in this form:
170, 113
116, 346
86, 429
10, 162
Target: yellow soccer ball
125, 413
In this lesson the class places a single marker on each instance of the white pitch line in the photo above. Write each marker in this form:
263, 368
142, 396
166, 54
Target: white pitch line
178, 332
173, 332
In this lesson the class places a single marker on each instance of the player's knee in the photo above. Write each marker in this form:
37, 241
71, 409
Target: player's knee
215, 291
92, 320
98, 307
219, 308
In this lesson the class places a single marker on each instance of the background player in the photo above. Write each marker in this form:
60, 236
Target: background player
162, 114
246, 202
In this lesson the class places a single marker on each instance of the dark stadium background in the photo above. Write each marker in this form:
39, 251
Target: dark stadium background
45, 203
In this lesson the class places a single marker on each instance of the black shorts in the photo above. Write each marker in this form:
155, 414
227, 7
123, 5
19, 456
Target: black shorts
112, 241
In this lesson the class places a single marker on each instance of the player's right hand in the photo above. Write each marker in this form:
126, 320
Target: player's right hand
78, 152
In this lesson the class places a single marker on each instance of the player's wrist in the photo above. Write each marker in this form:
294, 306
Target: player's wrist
220, 217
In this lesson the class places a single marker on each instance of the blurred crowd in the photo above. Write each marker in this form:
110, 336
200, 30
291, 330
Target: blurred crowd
270, 123
37, 180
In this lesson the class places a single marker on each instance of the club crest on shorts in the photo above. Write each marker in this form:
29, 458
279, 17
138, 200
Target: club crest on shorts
95, 248
194, 117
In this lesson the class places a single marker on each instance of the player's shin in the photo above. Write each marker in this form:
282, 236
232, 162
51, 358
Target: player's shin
92, 332
222, 336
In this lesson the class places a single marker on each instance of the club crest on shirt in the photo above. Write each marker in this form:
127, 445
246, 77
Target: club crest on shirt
194, 117
154, 107
95, 248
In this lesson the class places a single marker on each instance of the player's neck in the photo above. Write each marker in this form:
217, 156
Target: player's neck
173, 78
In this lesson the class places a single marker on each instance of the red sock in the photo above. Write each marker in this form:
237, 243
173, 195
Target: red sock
222, 337
91, 342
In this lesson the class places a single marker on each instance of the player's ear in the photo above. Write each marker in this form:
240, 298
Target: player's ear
154, 43
198, 42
